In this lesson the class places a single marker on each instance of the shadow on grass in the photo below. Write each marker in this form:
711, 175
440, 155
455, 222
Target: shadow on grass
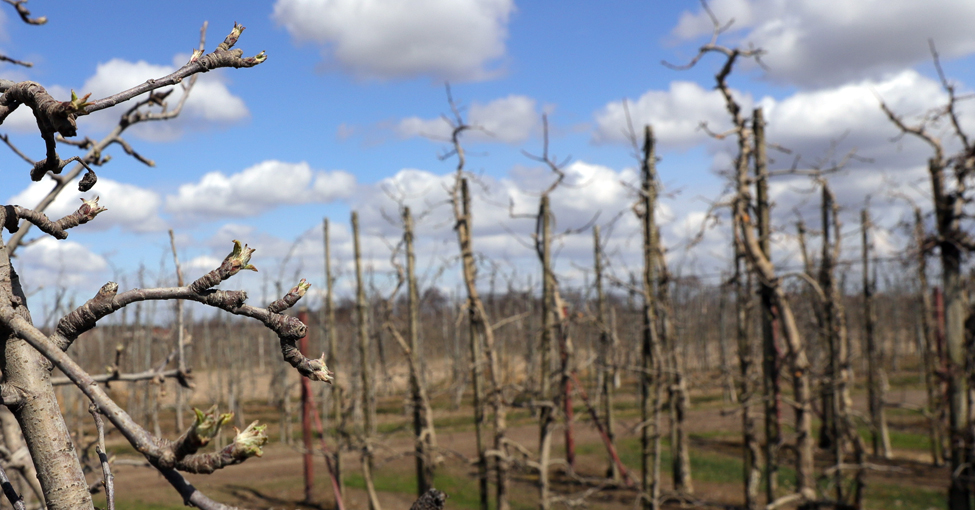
250, 493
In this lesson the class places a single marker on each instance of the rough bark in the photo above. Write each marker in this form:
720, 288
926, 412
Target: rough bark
365, 368
424, 435
607, 354
950, 181
929, 346
770, 354
650, 343
678, 397
879, 434
549, 324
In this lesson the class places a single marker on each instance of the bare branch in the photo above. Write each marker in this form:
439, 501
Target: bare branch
107, 476
60, 116
57, 229
24, 13
6, 140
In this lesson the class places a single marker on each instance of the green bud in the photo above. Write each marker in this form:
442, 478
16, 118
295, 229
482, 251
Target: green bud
238, 29
301, 288
239, 259
208, 424
248, 443
77, 105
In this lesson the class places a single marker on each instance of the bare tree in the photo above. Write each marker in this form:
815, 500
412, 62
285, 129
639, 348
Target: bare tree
368, 396
935, 408
876, 375
748, 234
608, 344
951, 182
651, 355
29, 354
26, 387
424, 434
336, 392
482, 331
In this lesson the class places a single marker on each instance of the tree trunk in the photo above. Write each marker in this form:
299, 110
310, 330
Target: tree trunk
365, 369
678, 397
746, 351
482, 332
798, 362
45, 432
607, 353
650, 434
770, 355
929, 347
423, 431
879, 435
547, 414
335, 392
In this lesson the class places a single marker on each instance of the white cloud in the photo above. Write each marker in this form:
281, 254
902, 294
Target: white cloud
199, 266
806, 122
257, 189
129, 207
586, 190
446, 39
50, 262
511, 119
675, 114
821, 126
825, 42
210, 101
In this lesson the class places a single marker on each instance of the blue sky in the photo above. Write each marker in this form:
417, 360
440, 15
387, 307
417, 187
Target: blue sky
339, 117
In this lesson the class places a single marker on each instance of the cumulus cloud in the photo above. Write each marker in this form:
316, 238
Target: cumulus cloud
676, 115
129, 207
806, 122
510, 119
210, 101
257, 189
587, 189
826, 42
66, 263
445, 39
821, 126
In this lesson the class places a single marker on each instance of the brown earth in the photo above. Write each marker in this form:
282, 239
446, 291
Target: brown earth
275, 480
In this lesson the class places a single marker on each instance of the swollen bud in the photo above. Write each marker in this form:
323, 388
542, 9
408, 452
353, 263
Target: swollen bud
77, 105
238, 259
301, 288
90, 208
248, 443
208, 424
320, 371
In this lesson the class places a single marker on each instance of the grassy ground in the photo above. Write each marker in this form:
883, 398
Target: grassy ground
275, 481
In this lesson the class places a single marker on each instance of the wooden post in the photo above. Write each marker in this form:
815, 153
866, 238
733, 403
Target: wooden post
306, 414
